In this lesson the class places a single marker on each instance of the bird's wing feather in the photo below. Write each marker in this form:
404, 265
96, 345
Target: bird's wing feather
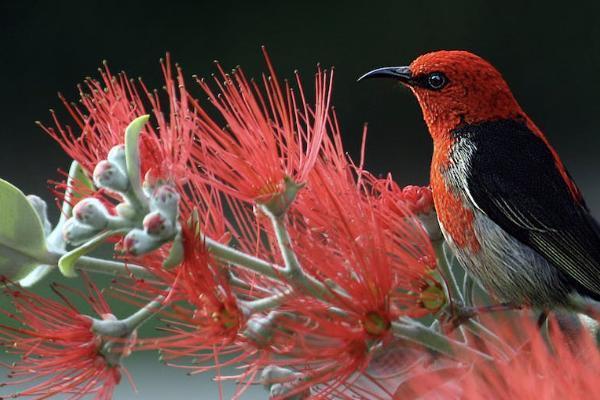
514, 179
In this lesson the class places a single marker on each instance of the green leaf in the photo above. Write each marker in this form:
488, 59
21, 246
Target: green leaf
22, 240
39, 273
67, 262
77, 175
132, 155
176, 254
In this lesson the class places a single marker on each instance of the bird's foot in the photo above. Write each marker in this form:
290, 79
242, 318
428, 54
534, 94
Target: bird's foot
461, 314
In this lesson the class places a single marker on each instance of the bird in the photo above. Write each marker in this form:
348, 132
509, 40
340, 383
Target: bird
506, 204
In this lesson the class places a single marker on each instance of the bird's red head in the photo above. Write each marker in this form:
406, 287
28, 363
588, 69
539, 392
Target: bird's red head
454, 88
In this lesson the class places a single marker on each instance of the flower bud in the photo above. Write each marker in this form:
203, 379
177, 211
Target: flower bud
74, 232
275, 374
151, 182
41, 209
431, 225
280, 381
116, 155
110, 176
166, 199
260, 329
157, 225
91, 212
138, 242
282, 390
418, 199
126, 210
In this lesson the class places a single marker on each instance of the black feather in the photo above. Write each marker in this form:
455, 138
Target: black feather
515, 181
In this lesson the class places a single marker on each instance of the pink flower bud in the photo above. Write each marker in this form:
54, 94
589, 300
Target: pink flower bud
157, 225
418, 199
41, 209
116, 155
138, 242
110, 176
91, 212
165, 199
74, 232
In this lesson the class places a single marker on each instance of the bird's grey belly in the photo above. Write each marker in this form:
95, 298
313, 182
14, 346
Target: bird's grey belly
510, 270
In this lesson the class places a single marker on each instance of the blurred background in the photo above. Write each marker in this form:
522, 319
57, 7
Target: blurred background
549, 52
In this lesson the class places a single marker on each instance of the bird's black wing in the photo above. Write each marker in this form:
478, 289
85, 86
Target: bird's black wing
515, 181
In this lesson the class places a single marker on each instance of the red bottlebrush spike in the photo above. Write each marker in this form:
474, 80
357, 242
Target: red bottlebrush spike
417, 199
271, 134
380, 260
375, 263
565, 367
60, 354
204, 314
108, 107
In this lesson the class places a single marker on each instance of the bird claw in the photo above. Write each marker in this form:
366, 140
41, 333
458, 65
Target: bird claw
459, 314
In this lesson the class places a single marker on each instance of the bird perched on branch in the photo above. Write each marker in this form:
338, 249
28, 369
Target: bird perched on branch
507, 205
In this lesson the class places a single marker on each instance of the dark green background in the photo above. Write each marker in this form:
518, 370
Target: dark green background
548, 51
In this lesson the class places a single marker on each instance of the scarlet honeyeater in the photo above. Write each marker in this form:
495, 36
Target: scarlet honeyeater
506, 203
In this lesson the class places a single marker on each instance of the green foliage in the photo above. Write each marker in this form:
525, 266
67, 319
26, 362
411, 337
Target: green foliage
22, 240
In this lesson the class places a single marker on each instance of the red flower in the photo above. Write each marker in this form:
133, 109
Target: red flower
60, 354
376, 265
270, 135
417, 199
565, 370
380, 259
209, 314
108, 107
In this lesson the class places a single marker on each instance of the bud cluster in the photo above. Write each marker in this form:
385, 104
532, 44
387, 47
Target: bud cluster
152, 225
159, 225
112, 172
90, 217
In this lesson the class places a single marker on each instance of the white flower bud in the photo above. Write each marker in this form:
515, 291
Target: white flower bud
431, 225
41, 209
138, 242
92, 212
110, 176
126, 210
165, 199
151, 182
75, 233
260, 329
157, 225
116, 155
281, 390
275, 374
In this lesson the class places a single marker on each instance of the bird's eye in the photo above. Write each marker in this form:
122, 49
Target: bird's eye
436, 80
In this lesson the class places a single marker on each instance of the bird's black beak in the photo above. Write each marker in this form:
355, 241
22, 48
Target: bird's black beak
401, 74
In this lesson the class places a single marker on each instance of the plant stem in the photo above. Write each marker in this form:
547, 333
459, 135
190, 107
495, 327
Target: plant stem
489, 337
445, 268
293, 271
142, 315
102, 266
260, 305
414, 331
233, 256
122, 328
468, 290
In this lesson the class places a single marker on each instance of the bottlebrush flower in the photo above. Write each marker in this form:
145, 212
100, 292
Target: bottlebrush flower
417, 200
204, 315
271, 134
110, 104
60, 353
565, 367
377, 267
204, 285
379, 258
